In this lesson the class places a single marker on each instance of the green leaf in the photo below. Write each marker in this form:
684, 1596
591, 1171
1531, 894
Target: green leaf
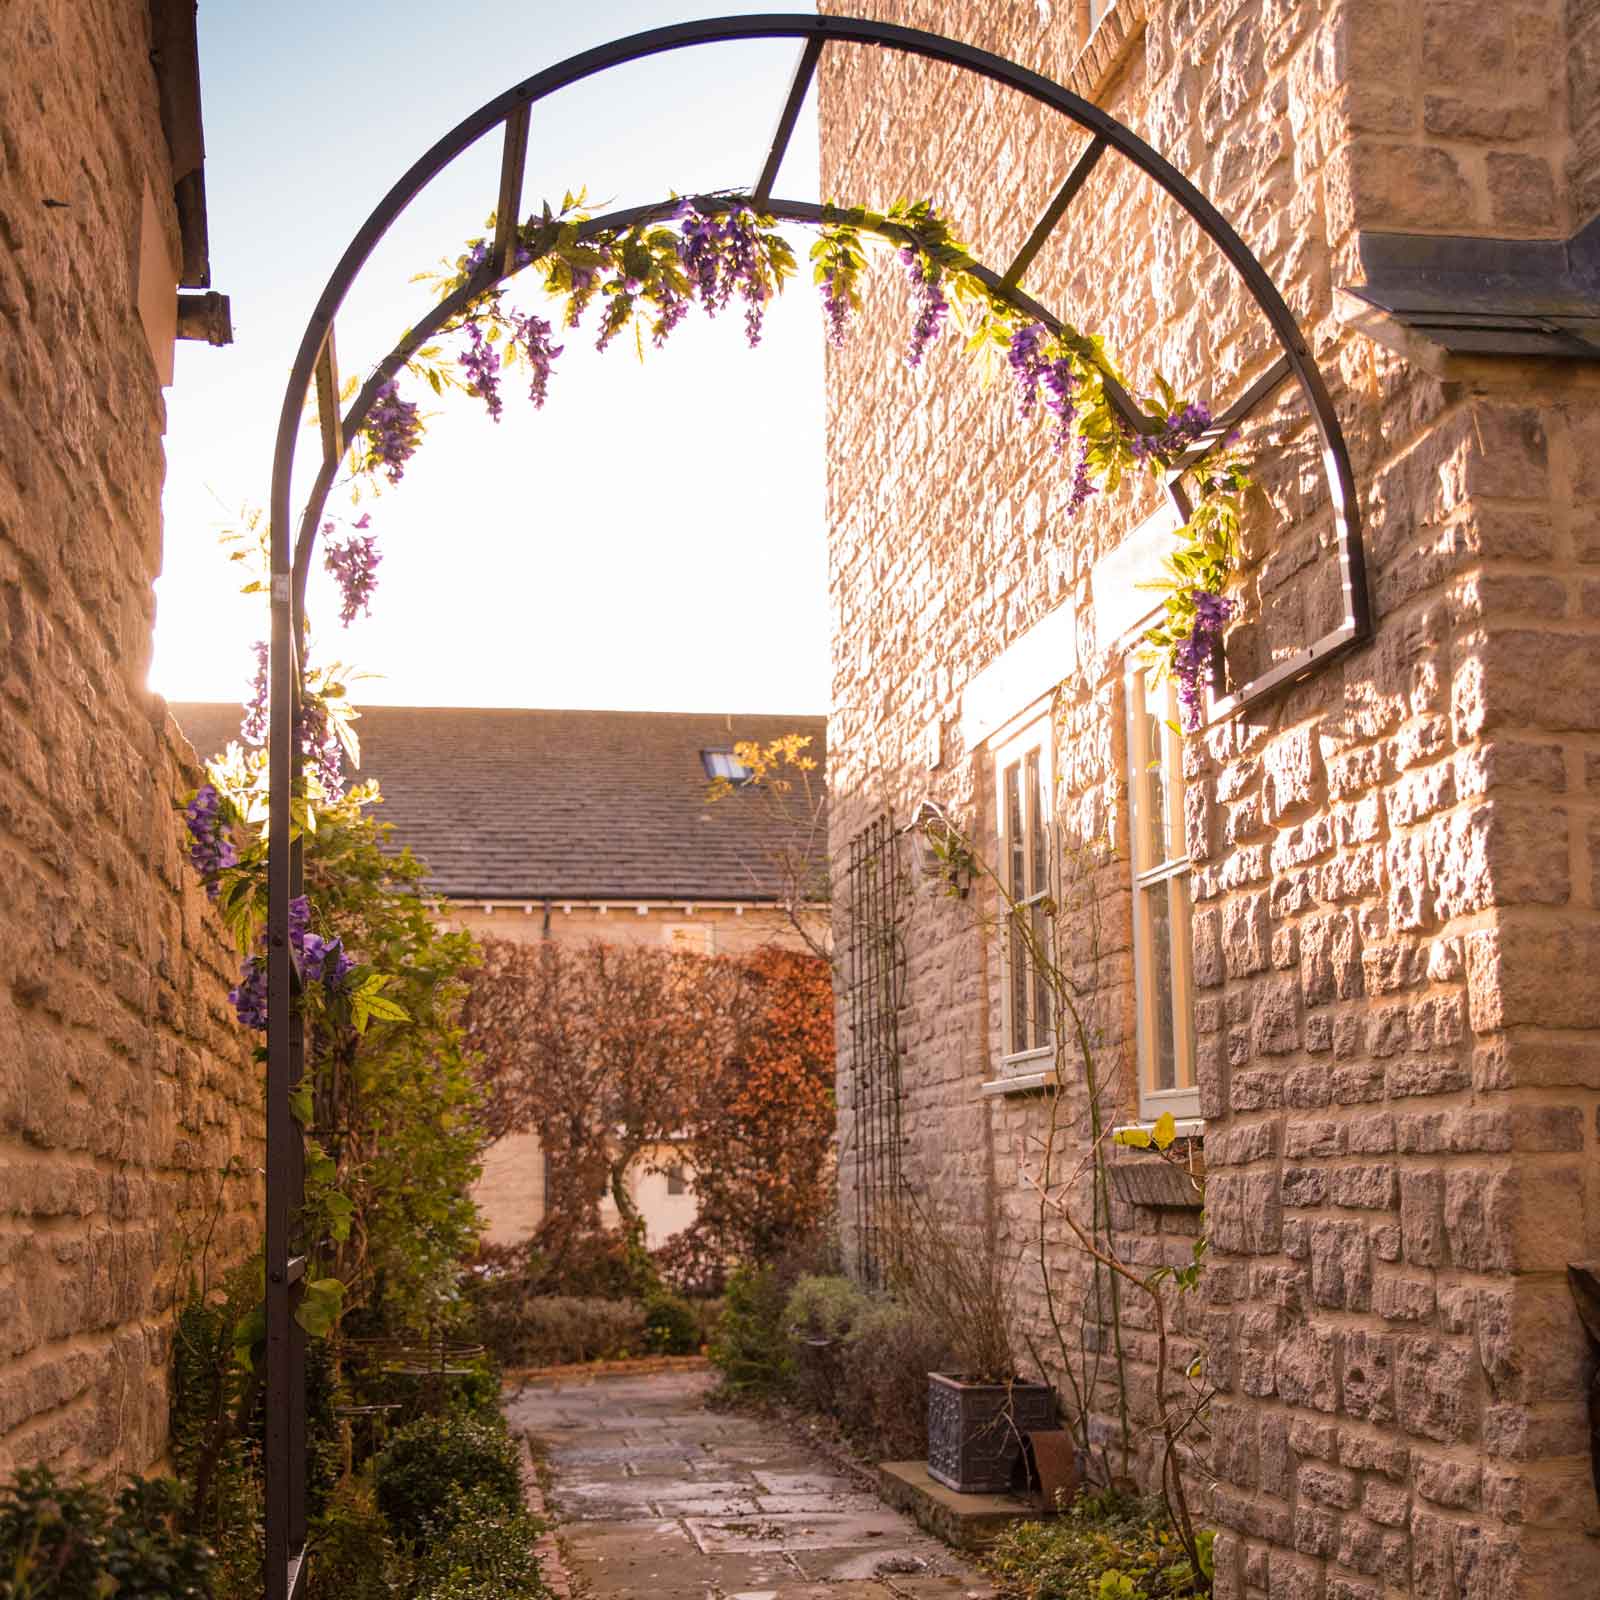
320, 1306
385, 1009
340, 1208
300, 1105
250, 1335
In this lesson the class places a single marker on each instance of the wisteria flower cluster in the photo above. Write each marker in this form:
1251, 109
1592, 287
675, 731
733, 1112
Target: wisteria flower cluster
1192, 657
211, 850
354, 565
320, 960
1177, 433
253, 725
393, 430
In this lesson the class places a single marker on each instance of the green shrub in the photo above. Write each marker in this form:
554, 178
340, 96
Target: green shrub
825, 1307
479, 1550
528, 1330
1067, 1558
352, 1556
671, 1327
752, 1348
66, 1541
820, 1311
416, 1472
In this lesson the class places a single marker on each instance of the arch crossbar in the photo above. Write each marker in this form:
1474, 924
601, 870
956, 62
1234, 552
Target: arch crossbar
315, 369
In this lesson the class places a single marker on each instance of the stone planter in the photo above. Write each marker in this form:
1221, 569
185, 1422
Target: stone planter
975, 1429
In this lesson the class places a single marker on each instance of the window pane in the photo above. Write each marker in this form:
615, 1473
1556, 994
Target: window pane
1183, 970
1155, 788
1036, 815
1018, 973
1015, 841
1041, 984
1163, 1054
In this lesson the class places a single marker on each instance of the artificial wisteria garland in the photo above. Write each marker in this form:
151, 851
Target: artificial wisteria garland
716, 252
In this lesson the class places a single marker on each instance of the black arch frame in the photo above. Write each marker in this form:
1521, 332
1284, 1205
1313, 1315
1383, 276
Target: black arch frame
316, 366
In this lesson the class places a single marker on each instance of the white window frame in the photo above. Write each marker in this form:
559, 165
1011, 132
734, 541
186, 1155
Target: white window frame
1167, 876
1032, 738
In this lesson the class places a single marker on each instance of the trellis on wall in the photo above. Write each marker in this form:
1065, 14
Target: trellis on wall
874, 973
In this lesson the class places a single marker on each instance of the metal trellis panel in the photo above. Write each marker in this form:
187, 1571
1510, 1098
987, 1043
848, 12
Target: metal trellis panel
874, 974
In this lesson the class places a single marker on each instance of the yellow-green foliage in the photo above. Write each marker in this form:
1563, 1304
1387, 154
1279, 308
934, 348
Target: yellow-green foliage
1103, 1547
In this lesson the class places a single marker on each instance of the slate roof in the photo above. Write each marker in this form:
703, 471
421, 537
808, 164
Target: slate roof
591, 805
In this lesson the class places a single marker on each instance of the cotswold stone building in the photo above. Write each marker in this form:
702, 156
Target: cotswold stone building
1349, 936
129, 1107
581, 826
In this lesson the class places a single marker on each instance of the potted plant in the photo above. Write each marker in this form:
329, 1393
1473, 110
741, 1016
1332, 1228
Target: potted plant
981, 1408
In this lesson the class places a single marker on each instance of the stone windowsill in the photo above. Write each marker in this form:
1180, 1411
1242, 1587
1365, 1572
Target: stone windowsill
1021, 1083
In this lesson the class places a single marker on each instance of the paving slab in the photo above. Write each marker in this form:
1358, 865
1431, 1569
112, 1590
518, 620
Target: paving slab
661, 1499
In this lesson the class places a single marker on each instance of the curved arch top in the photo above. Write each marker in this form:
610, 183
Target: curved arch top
314, 365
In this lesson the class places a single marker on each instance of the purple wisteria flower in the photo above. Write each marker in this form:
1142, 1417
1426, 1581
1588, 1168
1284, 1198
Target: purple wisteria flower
481, 363
1082, 484
836, 307
1192, 658
393, 429
533, 336
321, 961
253, 725
210, 847
1181, 430
932, 306
249, 996
1032, 366
721, 254
700, 248
672, 308
320, 745
354, 565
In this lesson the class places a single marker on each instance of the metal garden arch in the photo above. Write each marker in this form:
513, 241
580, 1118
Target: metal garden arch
315, 367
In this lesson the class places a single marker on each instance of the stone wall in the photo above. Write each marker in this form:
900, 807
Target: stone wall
126, 1088
1395, 863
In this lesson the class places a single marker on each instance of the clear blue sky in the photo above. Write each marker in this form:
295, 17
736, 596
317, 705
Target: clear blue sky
654, 538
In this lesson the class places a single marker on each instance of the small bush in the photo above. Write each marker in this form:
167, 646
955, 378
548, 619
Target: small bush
825, 1307
670, 1326
819, 1313
888, 1355
478, 1550
1066, 1559
525, 1329
751, 1348
415, 1474
66, 1541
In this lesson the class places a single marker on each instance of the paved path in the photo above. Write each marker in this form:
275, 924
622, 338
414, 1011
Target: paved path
662, 1499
